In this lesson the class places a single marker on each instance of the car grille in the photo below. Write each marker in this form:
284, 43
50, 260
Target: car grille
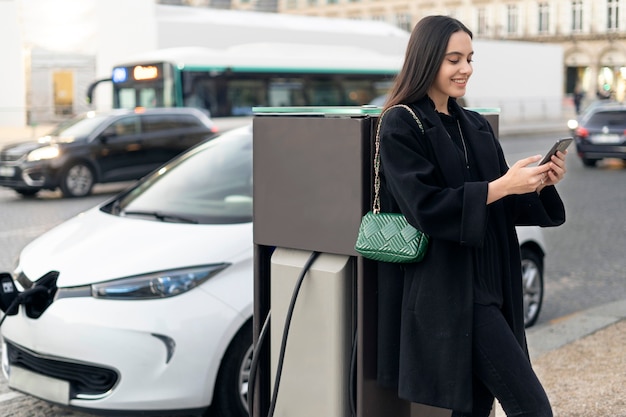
7, 157
84, 379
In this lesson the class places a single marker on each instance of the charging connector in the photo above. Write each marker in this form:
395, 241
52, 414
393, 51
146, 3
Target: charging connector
35, 299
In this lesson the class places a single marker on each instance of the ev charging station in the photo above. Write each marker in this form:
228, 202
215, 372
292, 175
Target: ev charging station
312, 169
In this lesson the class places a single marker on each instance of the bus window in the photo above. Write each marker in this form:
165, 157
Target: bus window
324, 93
286, 92
245, 94
381, 88
199, 92
148, 98
127, 98
357, 92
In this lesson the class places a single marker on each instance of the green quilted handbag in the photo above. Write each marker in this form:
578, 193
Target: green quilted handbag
388, 237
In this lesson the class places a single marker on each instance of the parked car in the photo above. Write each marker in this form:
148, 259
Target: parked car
600, 132
94, 147
154, 293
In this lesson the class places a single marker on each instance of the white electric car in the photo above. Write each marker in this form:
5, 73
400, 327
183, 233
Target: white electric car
153, 305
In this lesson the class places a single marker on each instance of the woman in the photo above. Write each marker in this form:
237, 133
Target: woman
461, 339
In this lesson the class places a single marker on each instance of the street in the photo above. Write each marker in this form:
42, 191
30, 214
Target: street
585, 260
583, 267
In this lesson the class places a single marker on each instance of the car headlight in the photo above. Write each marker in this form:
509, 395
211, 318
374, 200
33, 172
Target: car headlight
47, 152
572, 124
157, 284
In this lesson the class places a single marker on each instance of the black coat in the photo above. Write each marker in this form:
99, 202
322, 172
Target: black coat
425, 345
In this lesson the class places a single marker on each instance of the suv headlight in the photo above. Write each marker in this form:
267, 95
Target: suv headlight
157, 284
47, 152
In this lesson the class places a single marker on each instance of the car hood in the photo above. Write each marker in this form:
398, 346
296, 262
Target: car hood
22, 148
95, 246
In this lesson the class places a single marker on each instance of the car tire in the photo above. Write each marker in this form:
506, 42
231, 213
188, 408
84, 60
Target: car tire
532, 285
589, 162
77, 180
230, 398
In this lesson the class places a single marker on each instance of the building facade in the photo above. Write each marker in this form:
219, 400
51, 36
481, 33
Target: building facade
592, 33
253, 5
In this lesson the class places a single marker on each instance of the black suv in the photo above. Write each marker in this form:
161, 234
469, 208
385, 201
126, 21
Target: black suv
119, 145
601, 133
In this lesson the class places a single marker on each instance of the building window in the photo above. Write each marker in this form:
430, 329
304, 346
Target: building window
613, 14
511, 19
544, 18
312, 2
577, 15
481, 25
332, 1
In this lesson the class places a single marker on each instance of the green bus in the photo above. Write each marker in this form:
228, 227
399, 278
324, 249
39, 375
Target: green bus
230, 82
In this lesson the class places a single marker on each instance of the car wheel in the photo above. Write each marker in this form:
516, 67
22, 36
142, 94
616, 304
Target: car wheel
589, 162
77, 180
532, 285
27, 192
230, 398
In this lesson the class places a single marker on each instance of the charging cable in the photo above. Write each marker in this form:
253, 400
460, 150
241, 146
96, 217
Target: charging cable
283, 345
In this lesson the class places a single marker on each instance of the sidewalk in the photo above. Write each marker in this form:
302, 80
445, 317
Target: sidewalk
581, 362
9, 134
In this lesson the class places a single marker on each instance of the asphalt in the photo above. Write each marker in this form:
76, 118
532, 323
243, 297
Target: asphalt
554, 339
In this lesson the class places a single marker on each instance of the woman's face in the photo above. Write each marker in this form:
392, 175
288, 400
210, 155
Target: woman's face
455, 69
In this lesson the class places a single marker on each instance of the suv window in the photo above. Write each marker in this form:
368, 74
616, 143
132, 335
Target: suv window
154, 123
125, 126
608, 118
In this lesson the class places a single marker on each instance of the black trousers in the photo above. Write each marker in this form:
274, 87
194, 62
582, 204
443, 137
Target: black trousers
502, 370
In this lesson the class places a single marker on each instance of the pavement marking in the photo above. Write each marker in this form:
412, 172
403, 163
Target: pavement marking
9, 396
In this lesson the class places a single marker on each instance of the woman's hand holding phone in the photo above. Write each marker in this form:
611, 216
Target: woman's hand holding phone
557, 168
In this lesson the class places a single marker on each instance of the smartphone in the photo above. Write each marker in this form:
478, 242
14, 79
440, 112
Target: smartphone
559, 145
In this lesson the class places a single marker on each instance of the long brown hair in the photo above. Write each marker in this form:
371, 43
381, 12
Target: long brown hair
424, 54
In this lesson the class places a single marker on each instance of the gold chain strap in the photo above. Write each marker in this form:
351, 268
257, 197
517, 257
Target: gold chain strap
376, 205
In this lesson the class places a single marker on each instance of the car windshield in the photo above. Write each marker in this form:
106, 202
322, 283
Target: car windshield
81, 125
211, 184
607, 118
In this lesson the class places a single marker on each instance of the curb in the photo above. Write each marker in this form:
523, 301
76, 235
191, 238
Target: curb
562, 331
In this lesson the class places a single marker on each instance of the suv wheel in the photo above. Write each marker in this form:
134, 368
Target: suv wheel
230, 398
77, 180
532, 285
